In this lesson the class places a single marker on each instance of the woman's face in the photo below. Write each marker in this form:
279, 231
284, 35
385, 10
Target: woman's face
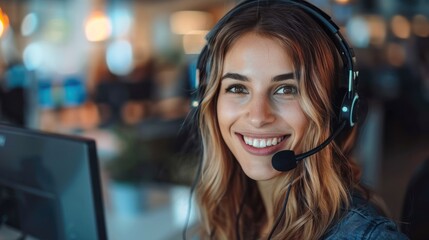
258, 106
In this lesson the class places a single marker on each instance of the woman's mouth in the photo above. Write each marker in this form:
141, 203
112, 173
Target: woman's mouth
262, 142
262, 145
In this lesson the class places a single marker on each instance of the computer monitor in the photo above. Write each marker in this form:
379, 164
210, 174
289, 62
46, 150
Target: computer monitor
50, 186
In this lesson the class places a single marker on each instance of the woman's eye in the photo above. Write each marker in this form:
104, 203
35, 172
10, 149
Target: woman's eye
287, 90
239, 89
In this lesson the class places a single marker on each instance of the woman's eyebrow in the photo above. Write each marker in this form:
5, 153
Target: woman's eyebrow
283, 77
237, 76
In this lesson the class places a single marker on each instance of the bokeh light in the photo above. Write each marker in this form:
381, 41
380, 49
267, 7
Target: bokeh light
121, 22
194, 41
119, 57
400, 26
98, 27
395, 54
33, 55
184, 22
4, 22
29, 24
358, 32
342, 1
420, 25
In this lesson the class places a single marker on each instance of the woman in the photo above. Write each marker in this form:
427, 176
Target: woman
269, 78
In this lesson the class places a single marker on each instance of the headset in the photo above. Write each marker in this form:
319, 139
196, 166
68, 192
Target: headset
349, 102
347, 108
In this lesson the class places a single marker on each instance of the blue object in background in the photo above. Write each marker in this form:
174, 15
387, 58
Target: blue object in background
16, 77
68, 94
46, 99
74, 92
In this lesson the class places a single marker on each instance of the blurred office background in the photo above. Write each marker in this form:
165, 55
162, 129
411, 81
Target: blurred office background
122, 72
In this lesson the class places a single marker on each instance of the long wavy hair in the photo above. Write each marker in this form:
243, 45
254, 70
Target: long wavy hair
230, 202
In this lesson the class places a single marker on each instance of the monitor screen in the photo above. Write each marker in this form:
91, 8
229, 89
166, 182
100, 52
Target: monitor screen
49, 186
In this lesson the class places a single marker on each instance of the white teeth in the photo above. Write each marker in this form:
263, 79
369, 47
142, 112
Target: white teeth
262, 142
255, 142
274, 141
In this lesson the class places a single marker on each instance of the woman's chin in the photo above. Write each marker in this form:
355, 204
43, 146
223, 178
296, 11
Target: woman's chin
261, 174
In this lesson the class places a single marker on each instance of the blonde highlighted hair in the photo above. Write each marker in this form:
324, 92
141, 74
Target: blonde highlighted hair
322, 182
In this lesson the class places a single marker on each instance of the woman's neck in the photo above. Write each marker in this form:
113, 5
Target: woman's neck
266, 189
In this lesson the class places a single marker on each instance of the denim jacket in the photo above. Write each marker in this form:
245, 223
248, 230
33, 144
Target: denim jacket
363, 221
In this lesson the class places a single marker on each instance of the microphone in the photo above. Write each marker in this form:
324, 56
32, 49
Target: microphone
286, 160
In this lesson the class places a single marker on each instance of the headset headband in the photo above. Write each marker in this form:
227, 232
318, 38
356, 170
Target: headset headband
349, 104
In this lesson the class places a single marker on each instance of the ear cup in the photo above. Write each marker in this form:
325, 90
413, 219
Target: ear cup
348, 110
201, 77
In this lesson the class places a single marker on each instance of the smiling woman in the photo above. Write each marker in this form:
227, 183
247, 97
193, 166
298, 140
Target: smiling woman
277, 76
258, 105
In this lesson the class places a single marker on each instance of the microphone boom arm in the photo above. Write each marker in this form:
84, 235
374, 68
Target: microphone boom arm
324, 144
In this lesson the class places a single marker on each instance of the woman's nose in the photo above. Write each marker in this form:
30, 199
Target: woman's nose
260, 111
